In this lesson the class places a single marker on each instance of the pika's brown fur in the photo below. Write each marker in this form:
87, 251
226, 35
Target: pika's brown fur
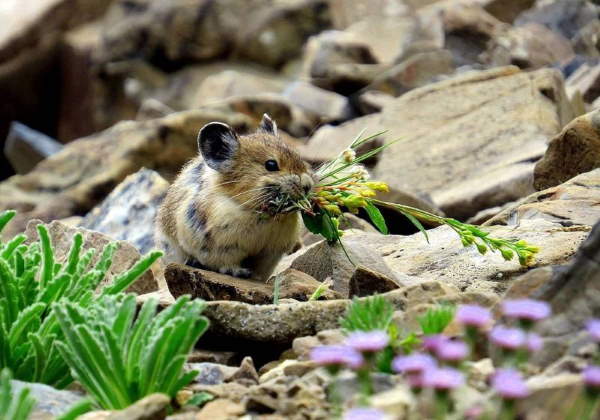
219, 212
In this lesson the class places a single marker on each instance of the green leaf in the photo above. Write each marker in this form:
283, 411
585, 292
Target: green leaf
6, 217
368, 314
437, 319
47, 256
199, 399
417, 224
80, 407
376, 217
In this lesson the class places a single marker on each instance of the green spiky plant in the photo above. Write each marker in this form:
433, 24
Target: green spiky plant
369, 314
344, 186
119, 360
31, 280
436, 319
14, 406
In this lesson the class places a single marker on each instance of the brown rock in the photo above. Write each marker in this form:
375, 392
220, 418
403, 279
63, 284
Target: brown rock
323, 261
221, 409
25, 147
473, 110
152, 407
85, 171
124, 258
530, 46
209, 285
246, 374
366, 282
529, 283
328, 106
573, 203
552, 398
275, 34
417, 70
507, 10
346, 12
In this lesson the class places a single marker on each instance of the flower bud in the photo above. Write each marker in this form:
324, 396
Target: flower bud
349, 155
507, 254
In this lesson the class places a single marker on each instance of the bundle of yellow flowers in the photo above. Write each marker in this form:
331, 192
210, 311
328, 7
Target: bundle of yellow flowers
344, 185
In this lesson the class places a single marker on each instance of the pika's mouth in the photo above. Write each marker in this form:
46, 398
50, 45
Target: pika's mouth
278, 202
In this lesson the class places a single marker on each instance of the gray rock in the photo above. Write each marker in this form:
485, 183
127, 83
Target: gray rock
586, 81
507, 10
280, 323
572, 204
211, 373
530, 46
415, 71
128, 212
562, 16
329, 106
50, 402
25, 147
472, 138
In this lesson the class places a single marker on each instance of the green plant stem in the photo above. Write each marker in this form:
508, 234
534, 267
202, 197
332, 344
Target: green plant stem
507, 410
590, 405
442, 404
366, 385
335, 397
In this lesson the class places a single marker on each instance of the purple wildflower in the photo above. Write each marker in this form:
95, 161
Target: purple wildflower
368, 341
452, 351
593, 328
534, 342
416, 362
362, 413
509, 384
432, 342
474, 316
336, 356
443, 378
508, 338
526, 309
591, 376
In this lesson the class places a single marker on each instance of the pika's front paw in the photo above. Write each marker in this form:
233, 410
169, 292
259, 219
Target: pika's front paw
242, 273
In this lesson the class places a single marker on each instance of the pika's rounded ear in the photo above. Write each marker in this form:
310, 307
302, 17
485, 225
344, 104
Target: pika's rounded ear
268, 125
218, 144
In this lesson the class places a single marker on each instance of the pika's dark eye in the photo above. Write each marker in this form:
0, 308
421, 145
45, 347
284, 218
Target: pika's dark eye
271, 165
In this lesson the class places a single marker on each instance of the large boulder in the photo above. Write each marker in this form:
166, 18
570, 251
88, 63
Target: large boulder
85, 171
575, 150
469, 142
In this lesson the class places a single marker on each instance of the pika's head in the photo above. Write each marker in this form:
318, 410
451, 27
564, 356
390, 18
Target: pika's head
258, 170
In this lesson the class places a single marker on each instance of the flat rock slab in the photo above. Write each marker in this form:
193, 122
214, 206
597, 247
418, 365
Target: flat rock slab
282, 323
574, 203
470, 141
212, 286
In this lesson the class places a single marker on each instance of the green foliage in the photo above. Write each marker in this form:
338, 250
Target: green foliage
199, 399
119, 360
14, 406
323, 287
437, 319
80, 407
31, 280
372, 313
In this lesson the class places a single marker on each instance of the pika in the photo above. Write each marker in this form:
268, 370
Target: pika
230, 208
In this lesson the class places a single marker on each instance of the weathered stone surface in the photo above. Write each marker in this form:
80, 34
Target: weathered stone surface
417, 70
575, 150
562, 16
221, 409
443, 259
586, 81
366, 282
472, 138
530, 46
329, 106
25, 147
211, 373
211, 286
85, 171
323, 261
552, 397
128, 212
574, 294
346, 12
586, 40
279, 323
124, 257
574, 203
507, 10
277, 33
151, 407
50, 402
